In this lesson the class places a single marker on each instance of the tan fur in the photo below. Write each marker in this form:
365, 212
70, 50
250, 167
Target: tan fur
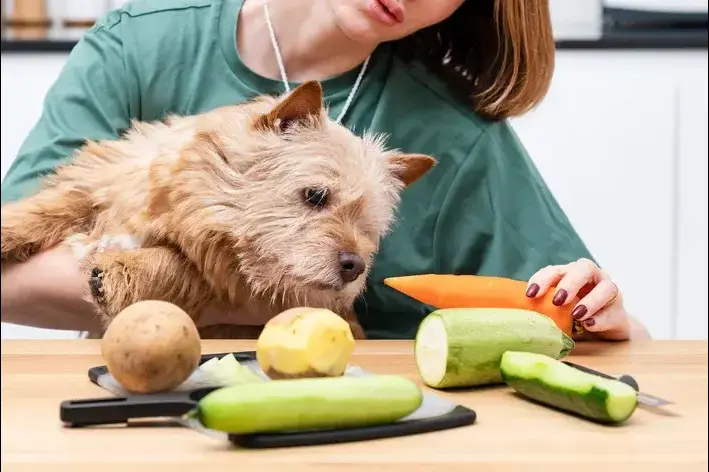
216, 204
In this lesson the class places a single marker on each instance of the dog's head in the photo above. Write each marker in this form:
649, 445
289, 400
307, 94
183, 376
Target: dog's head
302, 200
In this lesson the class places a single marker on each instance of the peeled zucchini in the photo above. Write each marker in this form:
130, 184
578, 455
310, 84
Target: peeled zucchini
553, 383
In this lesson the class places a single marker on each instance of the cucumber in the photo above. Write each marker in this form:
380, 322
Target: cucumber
462, 347
308, 403
553, 383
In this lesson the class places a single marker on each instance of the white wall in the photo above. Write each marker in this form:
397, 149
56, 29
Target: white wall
622, 142
24, 79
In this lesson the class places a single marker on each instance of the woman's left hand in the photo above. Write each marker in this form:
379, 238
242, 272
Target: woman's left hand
600, 309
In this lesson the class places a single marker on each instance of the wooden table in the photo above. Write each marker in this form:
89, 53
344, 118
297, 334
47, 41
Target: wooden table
510, 434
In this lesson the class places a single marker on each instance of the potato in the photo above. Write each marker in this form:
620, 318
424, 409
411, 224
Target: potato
151, 346
305, 342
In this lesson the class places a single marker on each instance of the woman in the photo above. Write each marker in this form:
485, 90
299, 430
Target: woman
439, 77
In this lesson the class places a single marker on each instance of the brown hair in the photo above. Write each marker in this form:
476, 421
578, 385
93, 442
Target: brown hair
497, 54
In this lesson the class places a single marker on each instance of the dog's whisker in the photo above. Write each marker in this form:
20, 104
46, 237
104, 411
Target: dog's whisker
364, 301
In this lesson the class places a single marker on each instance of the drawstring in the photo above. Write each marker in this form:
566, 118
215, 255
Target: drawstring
284, 77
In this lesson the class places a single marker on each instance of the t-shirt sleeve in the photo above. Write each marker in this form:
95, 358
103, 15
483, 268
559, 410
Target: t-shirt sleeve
499, 217
89, 100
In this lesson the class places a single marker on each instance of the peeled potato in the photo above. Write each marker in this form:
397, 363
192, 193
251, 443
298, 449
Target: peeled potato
151, 346
305, 342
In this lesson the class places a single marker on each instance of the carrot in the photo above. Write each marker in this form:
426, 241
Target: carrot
476, 291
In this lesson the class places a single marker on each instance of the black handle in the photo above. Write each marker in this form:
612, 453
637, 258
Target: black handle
626, 379
111, 410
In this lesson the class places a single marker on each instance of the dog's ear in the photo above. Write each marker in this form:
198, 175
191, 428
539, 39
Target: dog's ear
410, 167
302, 104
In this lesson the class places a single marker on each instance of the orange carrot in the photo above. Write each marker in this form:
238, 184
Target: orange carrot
476, 291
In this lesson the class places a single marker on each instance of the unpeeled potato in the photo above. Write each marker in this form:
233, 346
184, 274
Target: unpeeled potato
151, 346
305, 342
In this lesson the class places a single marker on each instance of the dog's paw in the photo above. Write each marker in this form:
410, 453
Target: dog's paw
96, 286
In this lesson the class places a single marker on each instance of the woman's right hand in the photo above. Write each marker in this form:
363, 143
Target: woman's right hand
47, 292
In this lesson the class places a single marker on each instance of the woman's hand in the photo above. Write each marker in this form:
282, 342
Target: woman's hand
600, 310
47, 291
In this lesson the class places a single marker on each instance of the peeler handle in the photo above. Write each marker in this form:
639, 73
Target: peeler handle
111, 410
626, 379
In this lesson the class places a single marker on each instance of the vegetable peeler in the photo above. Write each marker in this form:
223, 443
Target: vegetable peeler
643, 398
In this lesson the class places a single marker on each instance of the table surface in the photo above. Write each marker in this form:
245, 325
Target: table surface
510, 433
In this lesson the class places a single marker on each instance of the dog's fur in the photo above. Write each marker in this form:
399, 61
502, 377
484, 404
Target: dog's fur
217, 210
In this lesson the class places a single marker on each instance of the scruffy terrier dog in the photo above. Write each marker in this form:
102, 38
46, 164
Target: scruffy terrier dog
254, 208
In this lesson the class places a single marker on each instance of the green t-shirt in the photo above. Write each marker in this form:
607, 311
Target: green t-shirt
484, 209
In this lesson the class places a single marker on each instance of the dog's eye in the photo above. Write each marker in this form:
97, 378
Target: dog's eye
316, 197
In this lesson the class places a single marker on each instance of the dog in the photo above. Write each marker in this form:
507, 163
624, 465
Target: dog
256, 208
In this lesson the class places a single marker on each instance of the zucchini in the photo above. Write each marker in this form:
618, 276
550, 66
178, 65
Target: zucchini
308, 403
462, 347
553, 383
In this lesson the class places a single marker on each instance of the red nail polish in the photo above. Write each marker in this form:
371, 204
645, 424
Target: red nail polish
590, 322
560, 297
579, 311
533, 290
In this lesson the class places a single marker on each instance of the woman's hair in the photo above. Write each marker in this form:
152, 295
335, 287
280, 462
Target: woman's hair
497, 54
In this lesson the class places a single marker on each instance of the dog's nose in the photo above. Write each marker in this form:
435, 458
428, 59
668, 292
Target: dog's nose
351, 266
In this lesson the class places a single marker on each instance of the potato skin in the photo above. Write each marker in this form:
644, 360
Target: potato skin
151, 346
275, 374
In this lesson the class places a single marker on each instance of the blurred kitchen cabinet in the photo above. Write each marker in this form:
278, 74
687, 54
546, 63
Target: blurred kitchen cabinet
83, 13
692, 240
603, 140
77, 16
25, 19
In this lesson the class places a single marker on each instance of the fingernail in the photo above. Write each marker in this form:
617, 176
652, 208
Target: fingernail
579, 311
533, 290
590, 322
560, 297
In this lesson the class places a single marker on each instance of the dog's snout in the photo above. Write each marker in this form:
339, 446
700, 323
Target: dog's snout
351, 266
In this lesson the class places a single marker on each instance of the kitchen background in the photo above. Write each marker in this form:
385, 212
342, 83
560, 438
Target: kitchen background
621, 138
